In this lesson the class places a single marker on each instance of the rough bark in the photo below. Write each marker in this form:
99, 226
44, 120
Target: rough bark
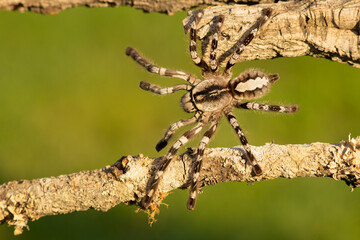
163, 6
325, 29
125, 181
328, 29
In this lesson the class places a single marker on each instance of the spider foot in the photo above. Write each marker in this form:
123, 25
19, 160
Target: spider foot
161, 144
267, 11
257, 169
191, 203
146, 202
293, 108
129, 51
145, 85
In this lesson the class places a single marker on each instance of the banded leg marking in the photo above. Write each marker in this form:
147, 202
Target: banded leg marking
266, 107
160, 70
194, 185
173, 127
214, 43
248, 155
247, 37
193, 38
168, 90
165, 161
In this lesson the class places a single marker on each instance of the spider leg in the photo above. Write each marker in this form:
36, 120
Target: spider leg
160, 70
168, 90
165, 161
193, 37
266, 107
214, 43
247, 37
173, 127
248, 155
194, 185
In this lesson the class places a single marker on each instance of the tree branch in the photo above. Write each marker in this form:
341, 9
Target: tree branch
328, 29
324, 29
125, 181
163, 6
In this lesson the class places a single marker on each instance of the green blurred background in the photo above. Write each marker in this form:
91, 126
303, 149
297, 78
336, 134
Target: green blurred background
70, 101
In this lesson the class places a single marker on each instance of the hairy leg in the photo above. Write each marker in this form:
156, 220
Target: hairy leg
266, 107
160, 70
214, 43
247, 37
168, 90
193, 37
173, 127
248, 155
164, 163
194, 184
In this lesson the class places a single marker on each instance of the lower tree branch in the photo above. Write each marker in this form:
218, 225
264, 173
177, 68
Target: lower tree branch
325, 29
125, 181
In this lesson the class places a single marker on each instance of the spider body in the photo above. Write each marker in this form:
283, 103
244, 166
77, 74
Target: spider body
208, 99
219, 92
207, 96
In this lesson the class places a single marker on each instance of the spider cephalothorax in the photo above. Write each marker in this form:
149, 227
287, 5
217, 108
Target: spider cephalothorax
217, 93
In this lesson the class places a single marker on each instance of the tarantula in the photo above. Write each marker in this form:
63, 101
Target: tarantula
208, 99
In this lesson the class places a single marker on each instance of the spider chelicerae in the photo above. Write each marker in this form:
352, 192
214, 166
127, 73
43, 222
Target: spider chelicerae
217, 93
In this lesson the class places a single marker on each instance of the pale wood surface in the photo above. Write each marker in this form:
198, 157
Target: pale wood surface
125, 181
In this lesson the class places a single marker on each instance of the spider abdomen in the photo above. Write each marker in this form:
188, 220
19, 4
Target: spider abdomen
252, 84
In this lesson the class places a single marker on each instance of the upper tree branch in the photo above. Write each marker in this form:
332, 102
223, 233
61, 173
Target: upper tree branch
125, 181
327, 29
164, 6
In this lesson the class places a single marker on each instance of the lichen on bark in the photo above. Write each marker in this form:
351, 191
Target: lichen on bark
125, 181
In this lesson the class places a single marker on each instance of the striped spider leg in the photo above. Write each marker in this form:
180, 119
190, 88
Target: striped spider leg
197, 163
246, 38
199, 61
191, 79
248, 154
207, 99
267, 107
154, 181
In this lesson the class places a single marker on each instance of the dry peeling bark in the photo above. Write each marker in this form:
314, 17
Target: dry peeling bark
328, 29
325, 29
163, 6
125, 181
